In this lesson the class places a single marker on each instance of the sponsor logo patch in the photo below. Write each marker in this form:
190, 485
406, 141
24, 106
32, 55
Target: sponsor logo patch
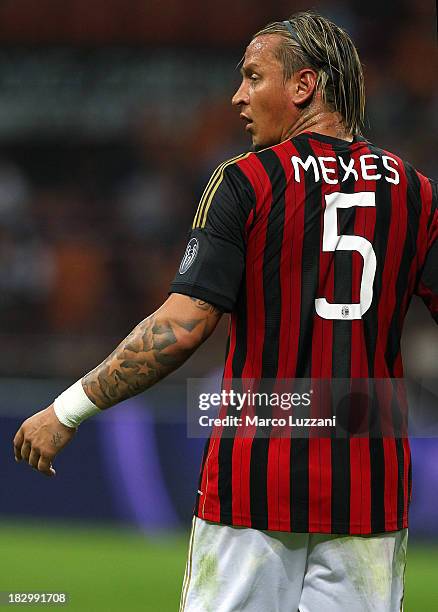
189, 256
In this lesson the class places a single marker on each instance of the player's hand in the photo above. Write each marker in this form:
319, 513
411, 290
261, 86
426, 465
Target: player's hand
39, 440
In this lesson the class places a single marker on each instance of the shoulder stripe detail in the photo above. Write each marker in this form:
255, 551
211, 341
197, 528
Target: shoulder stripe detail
212, 186
215, 187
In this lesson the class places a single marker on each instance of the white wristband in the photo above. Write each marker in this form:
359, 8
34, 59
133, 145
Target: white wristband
74, 406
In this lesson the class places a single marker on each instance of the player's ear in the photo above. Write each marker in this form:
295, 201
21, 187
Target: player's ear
303, 85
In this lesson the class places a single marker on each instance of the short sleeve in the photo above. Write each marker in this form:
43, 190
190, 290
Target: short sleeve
427, 285
213, 263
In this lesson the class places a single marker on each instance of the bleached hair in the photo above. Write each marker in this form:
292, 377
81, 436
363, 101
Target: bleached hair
310, 40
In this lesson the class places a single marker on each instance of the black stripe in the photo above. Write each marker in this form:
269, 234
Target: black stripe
399, 427
370, 323
271, 342
225, 461
400, 482
309, 262
377, 467
259, 482
225, 457
413, 203
241, 347
299, 484
380, 243
340, 448
198, 496
240, 309
343, 272
227, 349
226, 443
271, 263
299, 453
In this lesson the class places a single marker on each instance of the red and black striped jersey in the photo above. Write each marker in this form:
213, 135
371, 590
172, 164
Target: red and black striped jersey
315, 246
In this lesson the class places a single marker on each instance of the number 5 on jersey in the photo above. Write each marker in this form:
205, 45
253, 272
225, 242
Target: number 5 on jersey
332, 241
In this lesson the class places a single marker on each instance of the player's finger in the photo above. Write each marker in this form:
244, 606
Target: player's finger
45, 466
25, 450
34, 457
18, 442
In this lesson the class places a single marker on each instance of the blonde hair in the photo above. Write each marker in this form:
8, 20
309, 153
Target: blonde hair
310, 40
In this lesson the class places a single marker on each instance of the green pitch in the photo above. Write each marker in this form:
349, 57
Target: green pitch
101, 569
111, 570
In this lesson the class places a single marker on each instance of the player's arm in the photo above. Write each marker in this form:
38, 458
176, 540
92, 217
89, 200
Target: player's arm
208, 283
155, 347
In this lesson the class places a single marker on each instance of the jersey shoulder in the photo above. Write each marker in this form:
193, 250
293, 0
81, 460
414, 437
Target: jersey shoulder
228, 192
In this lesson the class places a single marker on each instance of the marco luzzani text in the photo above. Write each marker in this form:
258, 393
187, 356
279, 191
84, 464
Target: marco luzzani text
247, 401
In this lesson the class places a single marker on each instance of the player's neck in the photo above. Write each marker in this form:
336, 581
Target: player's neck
323, 122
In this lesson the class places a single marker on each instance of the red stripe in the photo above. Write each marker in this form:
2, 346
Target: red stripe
322, 339
278, 494
391, 477
423, 240
241, 457
426, 209
360, 467
273, 483
209, 503
249, 223
386, 306
399, 197
400, 390
360, 486
394, 251
256, 173
364, 225
314, 484
290, 265
325, 454
241, 462
320, 484
228, 369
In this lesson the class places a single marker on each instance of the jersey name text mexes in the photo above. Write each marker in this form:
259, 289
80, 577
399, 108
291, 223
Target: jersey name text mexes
326, 168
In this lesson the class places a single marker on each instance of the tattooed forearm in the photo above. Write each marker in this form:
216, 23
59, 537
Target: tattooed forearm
156, 347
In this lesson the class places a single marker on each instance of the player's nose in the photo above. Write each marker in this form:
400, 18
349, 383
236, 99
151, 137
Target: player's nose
241, 96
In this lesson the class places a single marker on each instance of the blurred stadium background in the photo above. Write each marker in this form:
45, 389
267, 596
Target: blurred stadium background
112, 116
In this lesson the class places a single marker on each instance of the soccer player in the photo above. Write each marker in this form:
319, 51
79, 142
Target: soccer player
315, 243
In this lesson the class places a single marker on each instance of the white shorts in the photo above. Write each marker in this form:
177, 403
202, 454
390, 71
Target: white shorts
242, 569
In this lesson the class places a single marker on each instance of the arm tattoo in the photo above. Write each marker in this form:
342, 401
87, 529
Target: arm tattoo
156, 347
56, 438
205, 306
